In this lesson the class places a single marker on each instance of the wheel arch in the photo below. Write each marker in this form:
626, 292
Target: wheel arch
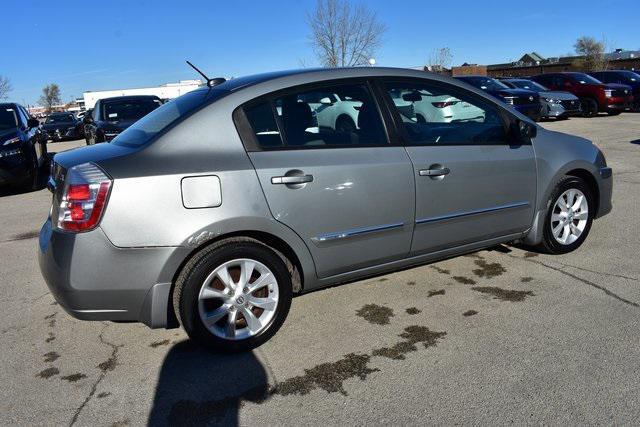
277, 244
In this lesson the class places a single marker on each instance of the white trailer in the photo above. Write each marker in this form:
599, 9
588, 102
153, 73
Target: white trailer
165, 91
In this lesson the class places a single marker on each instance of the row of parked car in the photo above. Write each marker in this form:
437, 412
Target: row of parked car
23, 138
561, 95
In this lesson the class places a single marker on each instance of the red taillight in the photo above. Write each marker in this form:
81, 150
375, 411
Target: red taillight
444, 104
84, 198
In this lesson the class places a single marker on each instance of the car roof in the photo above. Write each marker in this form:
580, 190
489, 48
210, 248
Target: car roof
128, 97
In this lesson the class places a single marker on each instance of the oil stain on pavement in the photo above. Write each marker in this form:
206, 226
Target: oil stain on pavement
74, 377
412, 335
464, 280
51, 356
434, 293
503, 294
412, 310
488, 270
376, 314
469, 313
48, 373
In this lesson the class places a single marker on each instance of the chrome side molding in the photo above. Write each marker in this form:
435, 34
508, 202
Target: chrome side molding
468, 213
355, 232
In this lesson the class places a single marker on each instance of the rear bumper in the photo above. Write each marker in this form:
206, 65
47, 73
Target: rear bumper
94, 280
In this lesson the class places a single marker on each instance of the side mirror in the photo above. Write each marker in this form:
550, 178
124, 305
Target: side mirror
33, 123
525, 131
326, 101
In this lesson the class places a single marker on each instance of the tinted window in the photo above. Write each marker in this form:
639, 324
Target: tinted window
437, 115
528, 84
153, 123
331, 116
131, 109
263, 124
485, 83
8, 118
59, 118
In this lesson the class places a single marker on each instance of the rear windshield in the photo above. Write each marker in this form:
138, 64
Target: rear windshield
161, 118
8, 118
129, 109
585, 79
485, 83
529, 85
60, 118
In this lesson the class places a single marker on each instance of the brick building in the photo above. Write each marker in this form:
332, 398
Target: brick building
533, 63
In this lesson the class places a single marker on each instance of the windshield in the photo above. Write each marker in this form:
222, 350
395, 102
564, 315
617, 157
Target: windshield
630, 75
128, 109
585, 79
486, 83
8, 118
529, 85
161, 118
60, 118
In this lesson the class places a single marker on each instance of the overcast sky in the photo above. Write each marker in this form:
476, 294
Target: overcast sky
87, 45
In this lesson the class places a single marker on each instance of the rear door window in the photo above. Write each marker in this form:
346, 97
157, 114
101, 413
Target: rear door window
344, 115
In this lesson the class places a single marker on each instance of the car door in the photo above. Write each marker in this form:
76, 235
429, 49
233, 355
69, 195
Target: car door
348, 193
472, 184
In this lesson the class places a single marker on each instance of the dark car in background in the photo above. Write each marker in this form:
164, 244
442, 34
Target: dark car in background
110, 116
624, 77
556, 104
23, 151
61, 126
594, 95
525, 101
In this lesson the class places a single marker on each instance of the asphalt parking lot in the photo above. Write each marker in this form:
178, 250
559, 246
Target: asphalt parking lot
499, 336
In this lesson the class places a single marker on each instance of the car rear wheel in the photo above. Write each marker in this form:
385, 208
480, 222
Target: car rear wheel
233, 297
569, 216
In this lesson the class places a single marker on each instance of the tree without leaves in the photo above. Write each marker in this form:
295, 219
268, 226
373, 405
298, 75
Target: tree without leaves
50, 96
593, 53
439, 59
5, 87
343, 35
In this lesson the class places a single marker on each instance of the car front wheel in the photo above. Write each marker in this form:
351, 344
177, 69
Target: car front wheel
569, 216
233, 297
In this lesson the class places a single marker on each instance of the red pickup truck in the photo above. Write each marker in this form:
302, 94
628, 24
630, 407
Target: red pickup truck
594, 95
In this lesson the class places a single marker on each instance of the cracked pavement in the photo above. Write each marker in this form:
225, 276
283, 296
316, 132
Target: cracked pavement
500, 336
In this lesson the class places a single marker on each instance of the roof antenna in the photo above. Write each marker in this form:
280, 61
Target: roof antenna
210, 82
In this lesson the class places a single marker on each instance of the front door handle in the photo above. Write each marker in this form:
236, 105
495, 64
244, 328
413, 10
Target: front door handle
295, 179
434, 172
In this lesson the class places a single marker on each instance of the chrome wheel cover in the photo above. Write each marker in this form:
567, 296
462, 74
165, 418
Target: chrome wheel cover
238, 299
569, 216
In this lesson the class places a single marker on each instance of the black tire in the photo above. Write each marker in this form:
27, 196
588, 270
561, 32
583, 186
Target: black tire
192, 277
549, 243
589, 107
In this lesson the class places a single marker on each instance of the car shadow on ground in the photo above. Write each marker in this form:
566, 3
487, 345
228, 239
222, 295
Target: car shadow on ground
635, 141
200, 387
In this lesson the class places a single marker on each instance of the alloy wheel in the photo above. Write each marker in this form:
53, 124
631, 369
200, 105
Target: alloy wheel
569, 216
238, 299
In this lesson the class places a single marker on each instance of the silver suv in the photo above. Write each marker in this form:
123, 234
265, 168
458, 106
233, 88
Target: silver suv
216, 208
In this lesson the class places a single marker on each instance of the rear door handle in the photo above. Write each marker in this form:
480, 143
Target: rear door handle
434, 172
296, 179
